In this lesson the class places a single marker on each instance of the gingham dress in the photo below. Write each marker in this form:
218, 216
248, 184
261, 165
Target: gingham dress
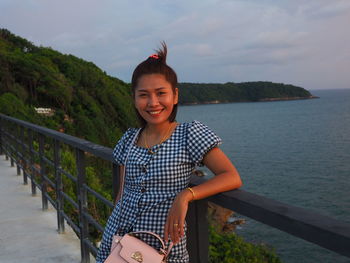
152, 182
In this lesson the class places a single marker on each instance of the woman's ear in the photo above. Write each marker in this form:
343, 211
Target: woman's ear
176, 96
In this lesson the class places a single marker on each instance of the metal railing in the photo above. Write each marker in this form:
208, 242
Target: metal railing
17, 143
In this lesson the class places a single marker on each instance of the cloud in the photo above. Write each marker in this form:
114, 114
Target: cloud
277, 40
324, 9
208, 40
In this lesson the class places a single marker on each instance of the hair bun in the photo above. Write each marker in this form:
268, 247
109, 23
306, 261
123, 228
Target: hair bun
162, 52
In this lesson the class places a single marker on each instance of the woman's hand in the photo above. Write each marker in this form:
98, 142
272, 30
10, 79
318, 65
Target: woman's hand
175, 223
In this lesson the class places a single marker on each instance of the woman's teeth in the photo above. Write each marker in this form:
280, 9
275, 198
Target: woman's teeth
155, 112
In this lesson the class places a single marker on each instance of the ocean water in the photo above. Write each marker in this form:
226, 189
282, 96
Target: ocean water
296, 152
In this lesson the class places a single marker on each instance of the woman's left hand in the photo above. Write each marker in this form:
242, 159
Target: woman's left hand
175, 223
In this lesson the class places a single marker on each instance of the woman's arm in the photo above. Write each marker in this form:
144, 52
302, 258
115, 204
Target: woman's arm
226, 178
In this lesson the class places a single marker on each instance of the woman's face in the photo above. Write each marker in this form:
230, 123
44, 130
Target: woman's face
154, 98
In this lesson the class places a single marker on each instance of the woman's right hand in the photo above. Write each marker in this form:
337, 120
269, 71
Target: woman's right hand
175, 223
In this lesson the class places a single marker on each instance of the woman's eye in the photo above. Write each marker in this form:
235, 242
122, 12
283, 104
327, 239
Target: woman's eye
161, 93
142, 95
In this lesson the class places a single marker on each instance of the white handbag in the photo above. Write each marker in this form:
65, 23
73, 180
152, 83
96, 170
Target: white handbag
130, 249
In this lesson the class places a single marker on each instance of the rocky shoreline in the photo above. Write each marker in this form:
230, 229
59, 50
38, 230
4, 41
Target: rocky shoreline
289, 98
225, 219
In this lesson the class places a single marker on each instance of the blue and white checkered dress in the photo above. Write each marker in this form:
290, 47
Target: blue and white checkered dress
152, 182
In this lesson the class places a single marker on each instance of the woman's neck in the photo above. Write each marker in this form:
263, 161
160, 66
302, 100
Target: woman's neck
158, 129
156, 134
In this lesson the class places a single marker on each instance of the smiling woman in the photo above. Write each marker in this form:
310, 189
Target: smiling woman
154, 75
159, 158
154, 100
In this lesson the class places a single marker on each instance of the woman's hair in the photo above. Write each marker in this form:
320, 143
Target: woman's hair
155, 64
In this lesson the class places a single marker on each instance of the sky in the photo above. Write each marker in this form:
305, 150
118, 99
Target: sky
304, 43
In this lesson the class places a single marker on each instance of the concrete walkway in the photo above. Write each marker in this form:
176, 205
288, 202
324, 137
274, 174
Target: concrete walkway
27, 233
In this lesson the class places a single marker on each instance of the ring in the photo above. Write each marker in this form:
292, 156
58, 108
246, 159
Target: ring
176, 225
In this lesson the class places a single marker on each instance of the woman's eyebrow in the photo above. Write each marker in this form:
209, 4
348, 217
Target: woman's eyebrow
144, 90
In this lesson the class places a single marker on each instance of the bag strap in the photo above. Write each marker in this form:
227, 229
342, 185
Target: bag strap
149, 233
122, 175
154, 235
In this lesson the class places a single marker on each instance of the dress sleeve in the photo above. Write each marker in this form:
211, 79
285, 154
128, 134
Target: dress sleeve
119, 152
200, 140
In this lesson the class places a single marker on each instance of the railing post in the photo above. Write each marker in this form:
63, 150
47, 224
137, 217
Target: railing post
24, 162
59, 187
82, 202
5, 146
42, 172
12, 160
31, 156
17, 147
12, 152
198, 234
1, 125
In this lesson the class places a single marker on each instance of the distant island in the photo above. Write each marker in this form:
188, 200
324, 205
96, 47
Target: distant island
213, 93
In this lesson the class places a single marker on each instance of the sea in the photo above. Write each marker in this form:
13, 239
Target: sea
296, 152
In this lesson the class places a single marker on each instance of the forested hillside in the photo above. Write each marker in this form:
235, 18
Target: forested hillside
86, 101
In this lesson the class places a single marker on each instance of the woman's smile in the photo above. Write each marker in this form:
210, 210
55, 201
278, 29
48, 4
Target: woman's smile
154, 112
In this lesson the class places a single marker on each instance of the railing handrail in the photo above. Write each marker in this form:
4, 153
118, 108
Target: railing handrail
319, 229
81, 144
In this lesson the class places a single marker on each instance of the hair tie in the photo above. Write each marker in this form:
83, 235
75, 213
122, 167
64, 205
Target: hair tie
155, 56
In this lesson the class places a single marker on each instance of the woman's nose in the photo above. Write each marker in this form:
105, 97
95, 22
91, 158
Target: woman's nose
153, 100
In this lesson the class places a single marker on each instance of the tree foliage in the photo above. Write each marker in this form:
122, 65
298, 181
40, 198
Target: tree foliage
230, 248
192, 93
92, 105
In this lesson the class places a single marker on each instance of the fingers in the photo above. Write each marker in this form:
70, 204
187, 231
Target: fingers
175, 233
174, 230
175, 222
182, 229
178, 230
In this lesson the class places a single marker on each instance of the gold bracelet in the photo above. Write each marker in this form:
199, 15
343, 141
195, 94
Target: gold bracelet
193, 195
